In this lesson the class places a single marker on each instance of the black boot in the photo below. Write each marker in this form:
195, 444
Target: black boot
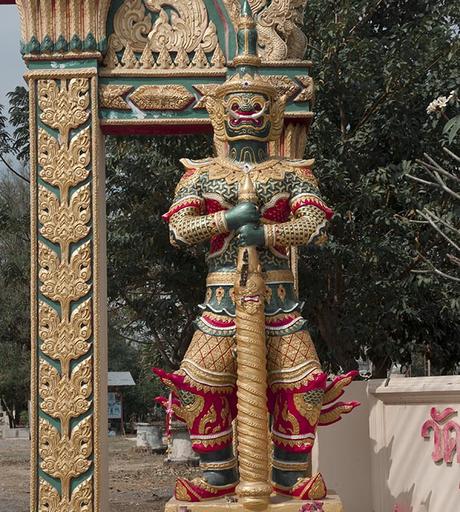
219, 467
288, 467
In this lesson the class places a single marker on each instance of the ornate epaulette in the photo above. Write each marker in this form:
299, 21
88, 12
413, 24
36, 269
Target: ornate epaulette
193, 169
195, 164
302, 168
298, 162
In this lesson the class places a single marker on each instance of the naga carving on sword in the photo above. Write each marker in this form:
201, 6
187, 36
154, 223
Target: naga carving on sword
251, 356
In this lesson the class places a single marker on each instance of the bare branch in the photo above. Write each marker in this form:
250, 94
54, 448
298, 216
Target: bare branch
442, 221
436, 227
434, 270
454, 259
12, 170
425, 182
438, 169
451, 154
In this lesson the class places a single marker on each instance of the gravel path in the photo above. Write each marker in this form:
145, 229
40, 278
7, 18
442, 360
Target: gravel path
138, 482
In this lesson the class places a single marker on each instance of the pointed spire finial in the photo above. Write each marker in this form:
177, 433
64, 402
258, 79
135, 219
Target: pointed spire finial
247, 39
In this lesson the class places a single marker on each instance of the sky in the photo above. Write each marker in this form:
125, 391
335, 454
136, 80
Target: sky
12, 66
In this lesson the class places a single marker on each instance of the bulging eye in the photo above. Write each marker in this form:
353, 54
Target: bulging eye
234, 107
257, 107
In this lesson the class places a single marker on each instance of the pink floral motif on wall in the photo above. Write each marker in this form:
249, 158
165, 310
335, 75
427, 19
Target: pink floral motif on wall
446, 434
402, 508
316, 506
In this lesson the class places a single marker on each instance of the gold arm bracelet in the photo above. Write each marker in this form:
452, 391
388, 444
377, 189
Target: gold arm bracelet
218, 466
221, 222
290, 466
270, 235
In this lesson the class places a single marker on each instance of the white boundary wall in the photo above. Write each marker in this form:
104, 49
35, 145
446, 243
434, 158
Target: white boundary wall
376, 458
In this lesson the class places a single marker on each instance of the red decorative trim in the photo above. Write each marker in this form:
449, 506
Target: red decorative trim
339, 381
217, 244
337, 410
189, 203
278, 322
225, 323
213, 206
279, 212
154, 129
198, 490
312, 201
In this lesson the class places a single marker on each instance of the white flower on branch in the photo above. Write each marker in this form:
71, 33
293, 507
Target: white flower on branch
439, 104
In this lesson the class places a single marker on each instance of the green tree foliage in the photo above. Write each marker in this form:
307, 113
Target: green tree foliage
153, 287
14, 296
14, 271
378, 64
19, 120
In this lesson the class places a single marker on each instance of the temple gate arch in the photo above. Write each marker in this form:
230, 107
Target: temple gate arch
100, 67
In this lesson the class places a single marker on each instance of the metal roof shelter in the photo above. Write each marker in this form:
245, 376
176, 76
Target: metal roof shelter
120, 379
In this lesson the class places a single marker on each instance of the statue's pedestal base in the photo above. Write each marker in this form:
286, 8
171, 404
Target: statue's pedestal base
277, 504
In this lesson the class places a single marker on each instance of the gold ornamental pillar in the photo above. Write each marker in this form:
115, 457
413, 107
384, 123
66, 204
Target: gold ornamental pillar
61, 43
252, 420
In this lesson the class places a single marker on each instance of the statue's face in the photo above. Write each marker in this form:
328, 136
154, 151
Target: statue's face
247, 116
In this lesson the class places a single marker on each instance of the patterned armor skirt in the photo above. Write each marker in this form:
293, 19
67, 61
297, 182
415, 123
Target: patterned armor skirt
205, 390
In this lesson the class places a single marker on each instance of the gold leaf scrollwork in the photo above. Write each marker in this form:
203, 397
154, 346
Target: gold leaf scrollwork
308, 91
205, 90
113, 96
63, 281
65, 271
187, 26
64, 224
179, 26
66, 397
65, 340
66, 457
283, 84
131, 24
63, 166
80, 501
65, 108
162, 97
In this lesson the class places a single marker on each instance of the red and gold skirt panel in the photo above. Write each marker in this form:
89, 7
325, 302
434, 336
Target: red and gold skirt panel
204, 390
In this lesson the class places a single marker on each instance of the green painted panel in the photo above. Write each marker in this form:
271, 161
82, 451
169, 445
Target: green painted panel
137, 116
62, 64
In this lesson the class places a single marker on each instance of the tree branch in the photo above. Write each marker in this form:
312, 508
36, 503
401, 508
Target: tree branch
451, 154
12, 170
437, 228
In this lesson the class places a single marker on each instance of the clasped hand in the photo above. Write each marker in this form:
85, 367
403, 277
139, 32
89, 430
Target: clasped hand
244, 219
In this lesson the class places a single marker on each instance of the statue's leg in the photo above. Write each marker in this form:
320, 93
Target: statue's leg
204, 397
296, 390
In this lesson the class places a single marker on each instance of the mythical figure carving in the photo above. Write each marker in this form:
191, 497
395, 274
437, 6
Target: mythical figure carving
251, 345
279, 27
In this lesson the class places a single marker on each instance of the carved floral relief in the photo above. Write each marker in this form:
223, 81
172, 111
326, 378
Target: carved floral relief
162, 34
65, 315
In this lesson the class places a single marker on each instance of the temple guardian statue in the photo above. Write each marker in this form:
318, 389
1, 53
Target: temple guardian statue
251, 357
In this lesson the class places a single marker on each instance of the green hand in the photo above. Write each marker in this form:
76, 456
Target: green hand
243, 213
251, 234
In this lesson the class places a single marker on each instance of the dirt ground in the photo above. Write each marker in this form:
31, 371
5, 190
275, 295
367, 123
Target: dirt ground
138, 482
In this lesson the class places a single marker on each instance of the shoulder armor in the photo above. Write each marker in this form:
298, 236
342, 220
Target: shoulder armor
299, 162
196, 164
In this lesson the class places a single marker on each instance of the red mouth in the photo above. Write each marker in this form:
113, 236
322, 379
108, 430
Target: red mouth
252, 117
251, 298
243, 120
